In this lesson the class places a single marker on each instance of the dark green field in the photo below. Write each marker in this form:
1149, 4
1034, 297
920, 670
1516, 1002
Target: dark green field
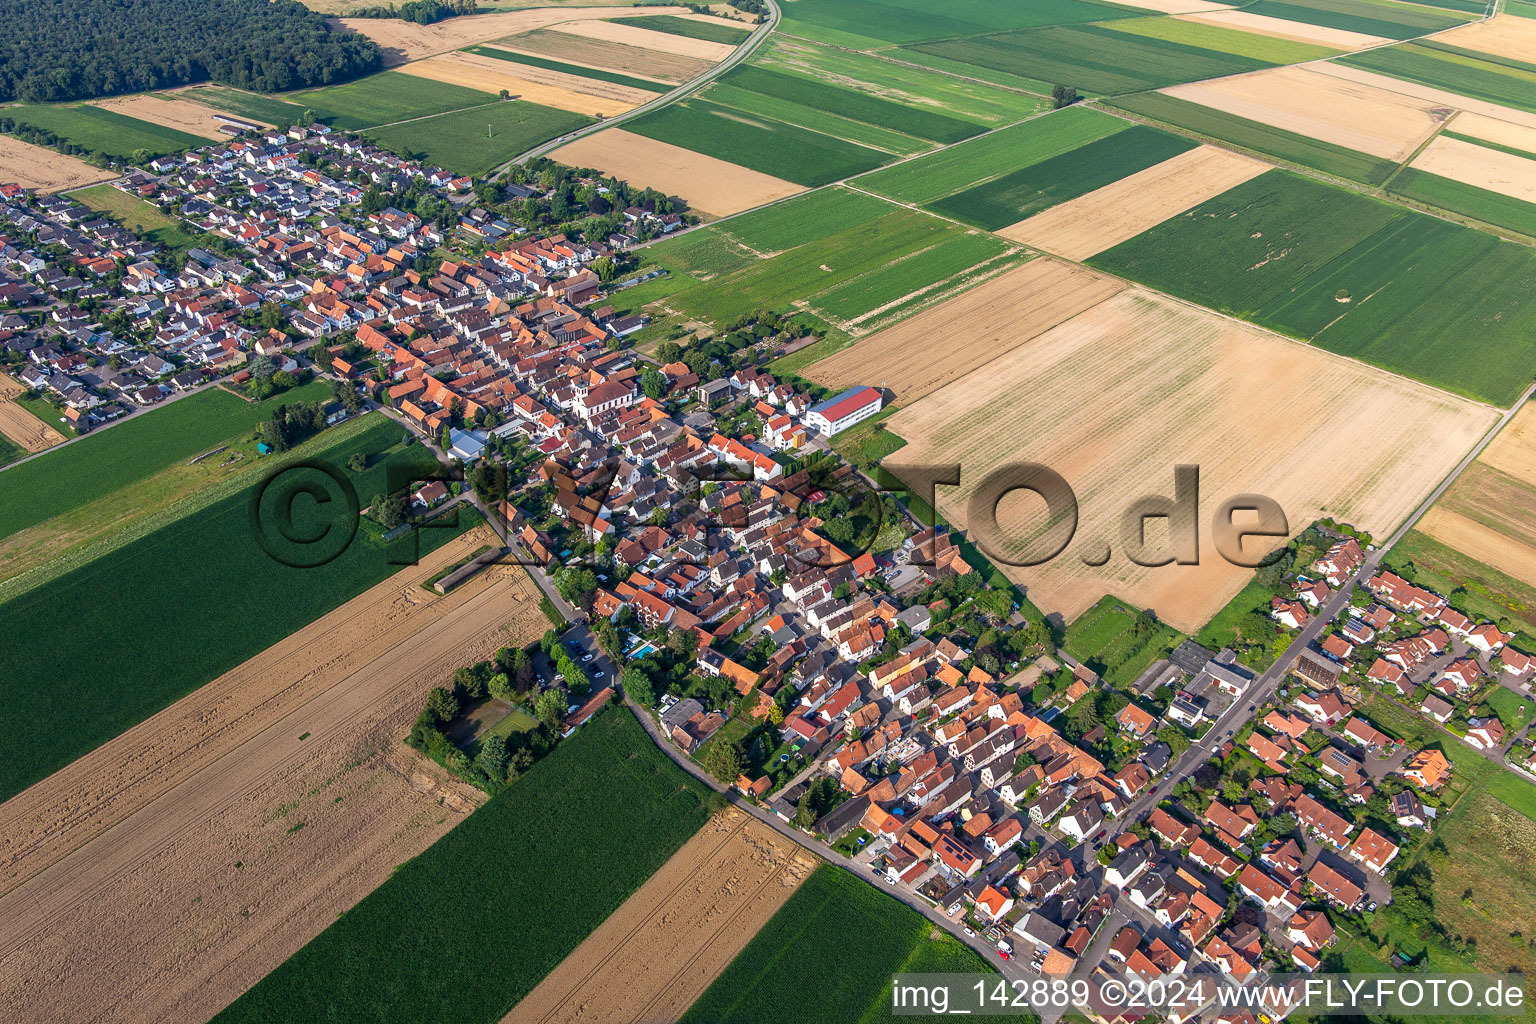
853, 104
1482, 76
692, 29
475, 141
837, 941
1106, 639
804, 219
862, 23
1469, 200
103, 131
10, 451
1446, 304
1261, 138
245, 104
1374, 17
1012, 197
101, 648
81, 472
467, 929
384, 99
569, 69
761, 143
1092, 59
932, 177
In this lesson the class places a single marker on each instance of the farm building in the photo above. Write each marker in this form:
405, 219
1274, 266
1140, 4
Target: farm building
843, 411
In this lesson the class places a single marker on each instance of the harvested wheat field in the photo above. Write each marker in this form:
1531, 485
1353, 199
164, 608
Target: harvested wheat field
20, 425
182, 115
1298, 99
997, 317
163, 874
1503, 35
1495, 130
1116, 397
712, 187
605, 55
1105, 217
1481, 543
648, 39
1513, 451
44, 170
1281, 28
550, 88
663, 947
1442, 98
403, 41
1490, 169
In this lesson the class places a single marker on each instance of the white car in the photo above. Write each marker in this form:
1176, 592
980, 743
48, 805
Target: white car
970, 932
586, 657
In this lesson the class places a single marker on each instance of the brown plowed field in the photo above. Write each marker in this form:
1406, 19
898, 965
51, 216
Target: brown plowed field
550, 88
42, 169
1105, 217
1482, 543
161, 875
1492, 129
662, 948
711, 187
1514, 450
1282, 28
1308, 102
20, 425
1176, 6
403, 40
648, 39
607, 55
182, 115
940, 345
1116, 397
1504, 35
1428, 94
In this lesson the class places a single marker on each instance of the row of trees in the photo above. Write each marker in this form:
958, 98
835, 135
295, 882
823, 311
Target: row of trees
56, 50
418, 12
291, 424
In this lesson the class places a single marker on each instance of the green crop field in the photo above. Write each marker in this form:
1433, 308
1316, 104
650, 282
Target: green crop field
969, 100
99, 649
569, 69
1414, 294
929, 178
1470, 6
1115, 642
10, 451
1261, 138
854, 269
853, 104
1520, 8
385, 98
1092, 58
244, 104
1469, 200
1012, 197
841, 941
800, 220
1464, 72
138, 216
761, 143
117, 456
1373, 17
477, 140
819, 120
692, 29
476, 921
862, 24
102, 131
1224, 40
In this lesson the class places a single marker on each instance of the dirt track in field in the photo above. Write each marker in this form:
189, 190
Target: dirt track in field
44, 170
940, 345
1116, 397
403, 41
1105, 217
1297, 99
1481, 167
163, 874
711, 187
661, 949
20, 425
550, 88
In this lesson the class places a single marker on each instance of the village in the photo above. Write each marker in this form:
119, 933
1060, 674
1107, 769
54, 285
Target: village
790, 628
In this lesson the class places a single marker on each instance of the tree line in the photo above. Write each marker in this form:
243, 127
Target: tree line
418, 12
55, 50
